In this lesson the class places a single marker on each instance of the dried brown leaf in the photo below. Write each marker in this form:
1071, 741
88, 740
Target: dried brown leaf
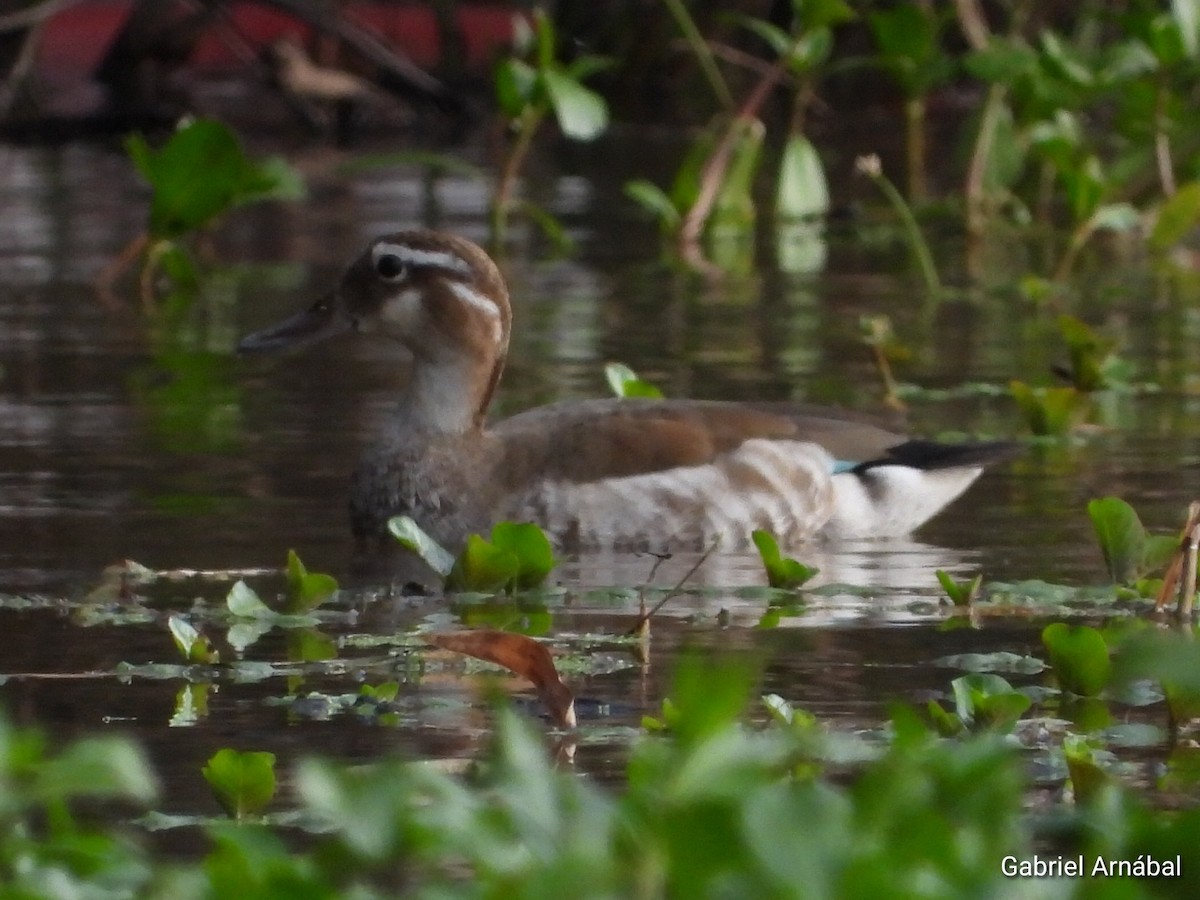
521, 655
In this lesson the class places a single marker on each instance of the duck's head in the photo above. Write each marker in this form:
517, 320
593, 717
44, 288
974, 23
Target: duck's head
439, 295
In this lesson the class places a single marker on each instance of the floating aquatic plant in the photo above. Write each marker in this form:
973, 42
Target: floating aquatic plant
782, 572
242, 781
518, 557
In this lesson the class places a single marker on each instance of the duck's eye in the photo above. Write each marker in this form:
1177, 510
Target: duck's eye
390, 267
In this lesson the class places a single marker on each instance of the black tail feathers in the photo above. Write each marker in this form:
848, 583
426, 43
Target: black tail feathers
921, 454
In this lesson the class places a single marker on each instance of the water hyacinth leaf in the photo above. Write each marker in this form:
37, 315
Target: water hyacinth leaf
413, 537
782, 572
1089, 353
581, 112
961, 593
707, 695
243, 601
1048, 410
532, 549
516, 81
947, 724
482, 567
242, 782
193, 646
1121, 535
306, 590
1087, 778
1177, 217
988, 701
1087, 715
93, 767
803, 191
521, 655
625, 382
1079, 658
200, 173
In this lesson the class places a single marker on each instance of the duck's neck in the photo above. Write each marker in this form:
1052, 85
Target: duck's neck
448, 396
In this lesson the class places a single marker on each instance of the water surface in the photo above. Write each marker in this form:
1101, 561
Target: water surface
135, 433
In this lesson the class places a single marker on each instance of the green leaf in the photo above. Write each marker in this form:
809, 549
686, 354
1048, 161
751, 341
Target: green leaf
1177, 217
193, 646
1087, 778
482, 567
961, 593
202, 172
581, 113
1187, 17
1078, 656
516, 82
813, 14
414, 538
625, 382
782, 572
93, 767
306, 591
1121, 535
1003, 61
243, 783
775, 37
654, 200
988, 701
1048, 410
244, 602
273, 178
803, 191
532, 549
947, 724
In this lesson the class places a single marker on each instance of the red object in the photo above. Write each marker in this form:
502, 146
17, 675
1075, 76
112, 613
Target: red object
75, 40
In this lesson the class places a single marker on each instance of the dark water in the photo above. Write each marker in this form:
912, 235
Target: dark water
133, 432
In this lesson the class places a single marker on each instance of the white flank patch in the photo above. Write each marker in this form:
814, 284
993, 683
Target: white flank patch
692, 506
887, 501
415, 256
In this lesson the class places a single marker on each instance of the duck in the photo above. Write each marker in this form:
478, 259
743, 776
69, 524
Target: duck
662, 475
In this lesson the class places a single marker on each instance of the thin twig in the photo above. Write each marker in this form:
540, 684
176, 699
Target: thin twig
24, 18
1187, 584
673, 592
1172, 577
10, 88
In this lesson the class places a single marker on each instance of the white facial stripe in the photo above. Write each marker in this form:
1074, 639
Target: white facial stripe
484, 304
472, 297
415, 256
